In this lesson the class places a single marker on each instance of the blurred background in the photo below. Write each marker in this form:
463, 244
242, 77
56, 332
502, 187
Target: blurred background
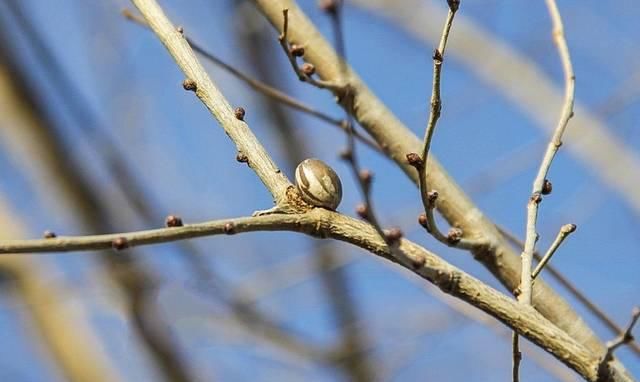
97, 135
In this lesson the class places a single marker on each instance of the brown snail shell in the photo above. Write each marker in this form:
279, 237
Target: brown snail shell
318, 184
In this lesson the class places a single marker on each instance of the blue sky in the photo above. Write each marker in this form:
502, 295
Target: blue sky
184, 160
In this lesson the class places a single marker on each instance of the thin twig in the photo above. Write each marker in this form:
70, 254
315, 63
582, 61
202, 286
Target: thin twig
574, 290
565, 231
289, 51
526, 276
154, 236
364, 178
624, 338
324, 223
552, 149
326, 256
517, 357
429, 197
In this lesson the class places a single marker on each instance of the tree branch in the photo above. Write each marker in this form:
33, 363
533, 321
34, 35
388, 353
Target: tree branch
565, 231
327, 224
624, 338
396, 141
540, 182
248, 145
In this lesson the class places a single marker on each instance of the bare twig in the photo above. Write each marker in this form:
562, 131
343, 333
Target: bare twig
363, 177
325, 257
526, 276
434, 115
565, 231
293, 51
455, 237
134, 239
574, 290
624, 338
516, 358
320, 222
552, 149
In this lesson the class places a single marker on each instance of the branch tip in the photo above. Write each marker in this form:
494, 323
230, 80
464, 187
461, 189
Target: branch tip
329, 6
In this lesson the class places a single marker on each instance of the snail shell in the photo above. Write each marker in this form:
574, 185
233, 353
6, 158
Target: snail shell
318, 184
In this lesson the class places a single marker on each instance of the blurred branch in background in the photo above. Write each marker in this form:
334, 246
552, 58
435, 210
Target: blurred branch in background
146, 207
288, 274
510, 164
526, 85
362, 350
529, 88
64, 329
60, 173
398, 141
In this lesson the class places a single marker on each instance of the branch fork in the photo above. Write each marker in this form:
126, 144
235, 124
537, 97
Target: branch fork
293, 51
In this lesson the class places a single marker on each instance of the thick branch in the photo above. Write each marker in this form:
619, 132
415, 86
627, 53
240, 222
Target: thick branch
323, 223
396, 140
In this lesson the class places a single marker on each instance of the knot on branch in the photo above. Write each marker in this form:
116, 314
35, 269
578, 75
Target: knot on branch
414, 160
239, 113
437, 57
173, 221
229, 228
393, 235
454, 236
547, 187
120, 243
535, 198
189, 85
448, 282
